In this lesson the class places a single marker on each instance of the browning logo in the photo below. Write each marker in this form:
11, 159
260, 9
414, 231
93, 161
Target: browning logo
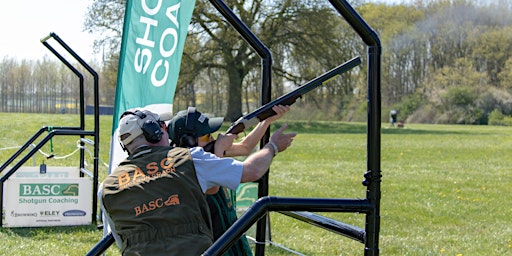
156, 204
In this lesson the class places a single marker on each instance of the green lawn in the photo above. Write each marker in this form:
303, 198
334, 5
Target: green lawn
445, 189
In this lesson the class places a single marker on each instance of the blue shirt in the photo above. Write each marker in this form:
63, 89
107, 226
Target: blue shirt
214, 171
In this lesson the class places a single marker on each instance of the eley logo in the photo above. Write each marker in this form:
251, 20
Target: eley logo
48, 213
61, 189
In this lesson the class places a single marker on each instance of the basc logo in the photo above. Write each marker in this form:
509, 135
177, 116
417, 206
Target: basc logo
60, 189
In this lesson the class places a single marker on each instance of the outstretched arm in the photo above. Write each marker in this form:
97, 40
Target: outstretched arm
257, 164
247, 144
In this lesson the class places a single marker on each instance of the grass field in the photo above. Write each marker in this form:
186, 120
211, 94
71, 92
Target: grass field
445, 189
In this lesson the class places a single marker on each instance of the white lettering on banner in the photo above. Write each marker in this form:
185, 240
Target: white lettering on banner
172, 14
161, 82
145, 41
174, 34
149, 10
43, 190
146, 53
168, 43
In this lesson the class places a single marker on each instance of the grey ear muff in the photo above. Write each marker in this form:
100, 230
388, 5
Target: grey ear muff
189, 138
150, 128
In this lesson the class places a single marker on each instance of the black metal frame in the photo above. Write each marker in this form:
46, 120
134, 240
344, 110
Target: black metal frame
300, 208
64, 131
291, 206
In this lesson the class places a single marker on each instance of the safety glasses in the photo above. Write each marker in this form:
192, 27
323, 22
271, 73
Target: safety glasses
205, 138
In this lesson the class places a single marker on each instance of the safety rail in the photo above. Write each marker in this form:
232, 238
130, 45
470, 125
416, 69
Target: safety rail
262, 206
329, 224
372, 177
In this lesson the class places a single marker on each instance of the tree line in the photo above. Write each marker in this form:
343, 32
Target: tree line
443, 61
46, 86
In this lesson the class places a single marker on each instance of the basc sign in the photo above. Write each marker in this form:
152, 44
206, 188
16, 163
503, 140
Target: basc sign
32, 199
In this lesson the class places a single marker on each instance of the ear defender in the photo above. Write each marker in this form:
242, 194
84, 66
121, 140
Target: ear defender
152, 131
189, 138
150, 128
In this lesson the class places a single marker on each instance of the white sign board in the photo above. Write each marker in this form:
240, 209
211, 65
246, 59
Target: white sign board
58, 198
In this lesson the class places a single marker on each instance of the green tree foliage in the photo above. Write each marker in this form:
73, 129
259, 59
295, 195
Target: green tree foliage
301, 35
46, 86
498, 118
505, 76
460, 44
443, 61
494, 52
284, 27
403, 60
106, 17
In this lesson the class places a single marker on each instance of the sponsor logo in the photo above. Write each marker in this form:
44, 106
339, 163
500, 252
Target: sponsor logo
41, 189
72, 213
48, 213
23, 214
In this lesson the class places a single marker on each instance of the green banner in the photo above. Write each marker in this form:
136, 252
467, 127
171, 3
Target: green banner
154, 35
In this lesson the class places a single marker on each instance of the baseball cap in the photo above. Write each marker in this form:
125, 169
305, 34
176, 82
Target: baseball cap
132, 121
192, 122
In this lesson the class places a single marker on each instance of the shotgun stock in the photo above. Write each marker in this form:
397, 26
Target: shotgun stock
266, 111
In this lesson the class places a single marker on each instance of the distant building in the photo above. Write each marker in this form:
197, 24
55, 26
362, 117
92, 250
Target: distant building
104, 110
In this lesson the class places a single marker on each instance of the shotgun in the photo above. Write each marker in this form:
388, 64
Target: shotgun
266, 111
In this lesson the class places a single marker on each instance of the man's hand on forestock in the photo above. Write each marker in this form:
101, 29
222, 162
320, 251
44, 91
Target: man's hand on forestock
280, 111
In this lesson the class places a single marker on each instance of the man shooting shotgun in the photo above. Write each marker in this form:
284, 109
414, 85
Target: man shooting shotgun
251, 119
